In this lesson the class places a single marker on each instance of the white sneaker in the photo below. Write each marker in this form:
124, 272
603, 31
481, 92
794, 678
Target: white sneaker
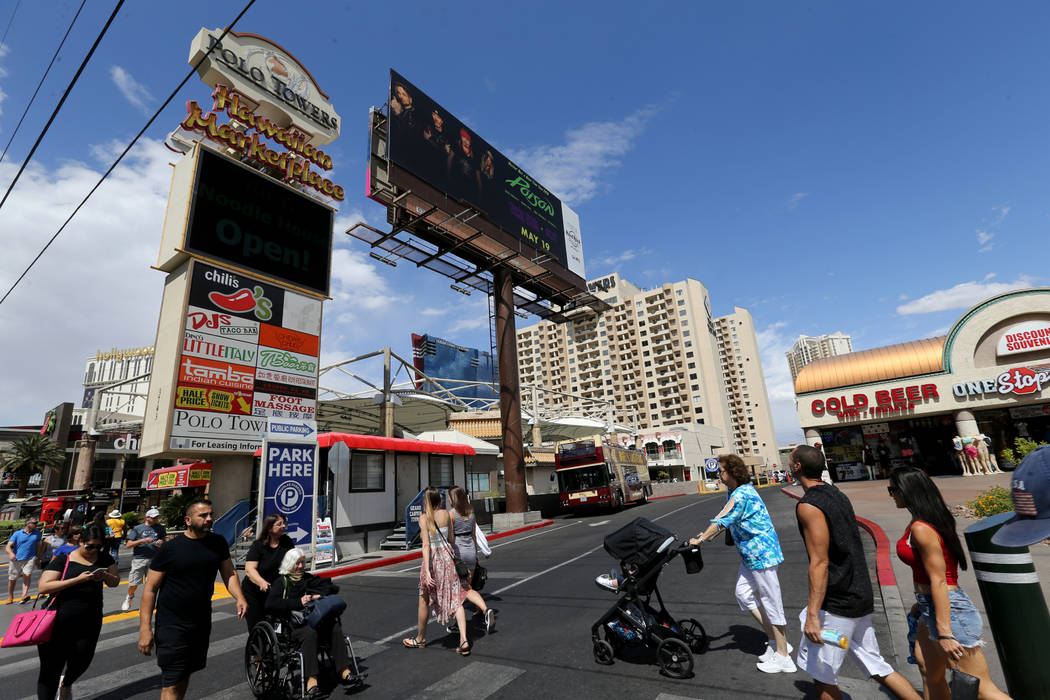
778, 664
607, 582
490, 620
771, 649
126, 605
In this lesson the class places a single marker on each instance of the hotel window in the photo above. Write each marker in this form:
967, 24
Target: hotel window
367, 472
478, 483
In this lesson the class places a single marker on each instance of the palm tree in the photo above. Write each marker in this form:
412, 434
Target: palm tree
30, 455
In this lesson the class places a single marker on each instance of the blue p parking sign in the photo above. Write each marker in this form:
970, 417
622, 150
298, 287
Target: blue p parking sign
711, 465
289, 473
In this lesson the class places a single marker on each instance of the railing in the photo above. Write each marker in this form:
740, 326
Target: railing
234, 521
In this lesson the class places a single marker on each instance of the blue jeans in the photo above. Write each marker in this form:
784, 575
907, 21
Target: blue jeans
966, 621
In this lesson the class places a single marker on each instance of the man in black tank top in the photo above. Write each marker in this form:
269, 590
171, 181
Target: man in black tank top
840, 592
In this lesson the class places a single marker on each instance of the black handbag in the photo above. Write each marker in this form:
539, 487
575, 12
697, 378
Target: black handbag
963, 686
462, 570
481, 577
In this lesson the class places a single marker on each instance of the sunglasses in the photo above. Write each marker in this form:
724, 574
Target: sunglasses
892, 490
92, 546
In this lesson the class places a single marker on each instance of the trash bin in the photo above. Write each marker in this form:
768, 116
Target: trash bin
1014, 606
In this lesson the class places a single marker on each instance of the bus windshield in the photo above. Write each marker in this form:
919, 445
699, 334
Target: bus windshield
583, 478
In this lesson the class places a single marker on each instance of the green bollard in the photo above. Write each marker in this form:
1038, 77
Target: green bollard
1015, 607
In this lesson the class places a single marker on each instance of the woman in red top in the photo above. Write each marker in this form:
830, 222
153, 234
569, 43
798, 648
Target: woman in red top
949, 626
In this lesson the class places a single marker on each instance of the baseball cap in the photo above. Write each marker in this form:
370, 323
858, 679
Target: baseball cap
152, 513
114, 513
1030, 488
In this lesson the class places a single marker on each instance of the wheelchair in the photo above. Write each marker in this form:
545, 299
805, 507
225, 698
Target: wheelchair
273, 661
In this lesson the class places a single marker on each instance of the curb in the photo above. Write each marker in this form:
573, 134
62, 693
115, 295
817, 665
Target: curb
379, 563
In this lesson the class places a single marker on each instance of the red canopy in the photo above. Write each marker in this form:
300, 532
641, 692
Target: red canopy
377, 442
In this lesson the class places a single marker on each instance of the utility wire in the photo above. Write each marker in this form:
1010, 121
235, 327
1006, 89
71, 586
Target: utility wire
42, 78
123, 153
69, 89
10, 21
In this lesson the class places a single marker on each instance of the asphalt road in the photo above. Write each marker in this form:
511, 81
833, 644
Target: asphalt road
541, 583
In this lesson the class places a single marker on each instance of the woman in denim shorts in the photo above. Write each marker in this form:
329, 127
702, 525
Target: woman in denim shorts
950, 627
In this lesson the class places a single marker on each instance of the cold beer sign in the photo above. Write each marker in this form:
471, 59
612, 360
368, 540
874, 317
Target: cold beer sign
289, 472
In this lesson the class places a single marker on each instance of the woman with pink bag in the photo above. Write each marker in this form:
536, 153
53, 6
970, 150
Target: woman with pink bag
75, 581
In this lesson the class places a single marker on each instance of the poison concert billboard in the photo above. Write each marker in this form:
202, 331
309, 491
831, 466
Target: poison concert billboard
427, 141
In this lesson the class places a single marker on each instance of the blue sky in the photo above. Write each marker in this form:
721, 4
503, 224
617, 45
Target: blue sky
829, 166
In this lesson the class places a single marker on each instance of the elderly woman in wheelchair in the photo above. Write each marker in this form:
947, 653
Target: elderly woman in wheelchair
303, 610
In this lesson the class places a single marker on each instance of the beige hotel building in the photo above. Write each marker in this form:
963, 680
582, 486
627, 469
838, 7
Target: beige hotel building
662, 359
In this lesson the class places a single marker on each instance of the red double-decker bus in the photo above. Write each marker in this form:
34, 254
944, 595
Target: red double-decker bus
593, 471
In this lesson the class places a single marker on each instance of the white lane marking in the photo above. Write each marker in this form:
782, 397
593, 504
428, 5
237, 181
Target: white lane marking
476, 680
545, 531
603, 522
412, 629
115, 680
32, 663
668, 696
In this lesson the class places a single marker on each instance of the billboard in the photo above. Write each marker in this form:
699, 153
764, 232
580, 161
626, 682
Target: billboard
441, 359
227, 212
247, 353
427, 141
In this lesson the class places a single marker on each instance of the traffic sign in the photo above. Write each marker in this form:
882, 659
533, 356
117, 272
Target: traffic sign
711, 465
289, 474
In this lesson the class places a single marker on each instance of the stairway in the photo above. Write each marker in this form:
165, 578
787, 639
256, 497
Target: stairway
396, 540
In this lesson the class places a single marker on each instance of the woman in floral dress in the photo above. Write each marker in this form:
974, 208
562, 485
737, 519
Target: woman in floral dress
439, 590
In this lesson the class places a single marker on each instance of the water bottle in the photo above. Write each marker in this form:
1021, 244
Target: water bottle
835, 638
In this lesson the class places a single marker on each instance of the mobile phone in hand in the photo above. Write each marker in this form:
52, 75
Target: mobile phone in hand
99, 571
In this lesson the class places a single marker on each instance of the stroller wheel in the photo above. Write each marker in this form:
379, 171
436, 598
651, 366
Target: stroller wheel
674, 658
694, 634
603, 652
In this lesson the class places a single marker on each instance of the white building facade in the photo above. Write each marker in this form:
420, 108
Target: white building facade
808, 348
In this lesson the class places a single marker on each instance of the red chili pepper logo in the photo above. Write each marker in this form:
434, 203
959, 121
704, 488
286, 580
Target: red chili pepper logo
236, 303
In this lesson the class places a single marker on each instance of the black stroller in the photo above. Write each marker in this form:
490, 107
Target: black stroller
644, 548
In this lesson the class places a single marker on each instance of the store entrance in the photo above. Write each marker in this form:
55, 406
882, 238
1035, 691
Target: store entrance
873, 450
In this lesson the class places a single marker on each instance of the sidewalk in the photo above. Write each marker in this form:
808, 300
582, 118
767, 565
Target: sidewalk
872, 502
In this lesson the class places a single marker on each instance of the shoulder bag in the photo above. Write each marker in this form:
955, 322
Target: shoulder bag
962, 686
462, 570
35, 626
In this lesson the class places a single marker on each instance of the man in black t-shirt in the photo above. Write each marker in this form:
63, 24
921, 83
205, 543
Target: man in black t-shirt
840, 594
181, 582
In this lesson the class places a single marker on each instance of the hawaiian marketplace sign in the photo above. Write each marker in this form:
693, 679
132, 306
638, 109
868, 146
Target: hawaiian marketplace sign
263, 97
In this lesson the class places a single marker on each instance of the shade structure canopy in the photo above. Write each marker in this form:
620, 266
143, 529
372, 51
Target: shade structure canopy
378, 442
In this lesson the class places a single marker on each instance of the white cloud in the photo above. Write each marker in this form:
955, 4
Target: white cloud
573, 170
134, 92
984, 240
3, 74
772, 344
796, 198
1000, 214
962, 295
93, 289
431, 311
621, 257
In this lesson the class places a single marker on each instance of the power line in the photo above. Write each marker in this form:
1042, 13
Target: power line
10, 21
123, 153
42, 78
69, 89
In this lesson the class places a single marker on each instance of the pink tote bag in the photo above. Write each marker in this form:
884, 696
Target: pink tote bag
33, 627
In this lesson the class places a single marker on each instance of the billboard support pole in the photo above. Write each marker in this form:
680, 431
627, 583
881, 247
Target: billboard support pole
388, 406
509, 391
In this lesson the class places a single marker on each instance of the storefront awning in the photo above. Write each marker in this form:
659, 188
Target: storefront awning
179, 477
378, 442
876, 365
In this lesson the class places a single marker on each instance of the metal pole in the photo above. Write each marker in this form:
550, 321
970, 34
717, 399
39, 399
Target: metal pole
1015, 607
388, 407
509, 392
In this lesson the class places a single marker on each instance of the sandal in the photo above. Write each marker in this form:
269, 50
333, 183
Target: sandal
414, 643
463, 649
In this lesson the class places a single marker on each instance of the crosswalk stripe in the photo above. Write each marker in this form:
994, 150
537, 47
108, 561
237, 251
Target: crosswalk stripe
668, 696
114, 680
31, 662
478, 680
414, 574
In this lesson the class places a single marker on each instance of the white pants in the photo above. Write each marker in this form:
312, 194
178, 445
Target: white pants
822, 661
765, 585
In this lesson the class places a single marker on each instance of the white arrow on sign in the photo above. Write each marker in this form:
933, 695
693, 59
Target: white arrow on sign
298, 533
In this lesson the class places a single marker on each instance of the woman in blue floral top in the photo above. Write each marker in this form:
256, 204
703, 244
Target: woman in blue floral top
757, 586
